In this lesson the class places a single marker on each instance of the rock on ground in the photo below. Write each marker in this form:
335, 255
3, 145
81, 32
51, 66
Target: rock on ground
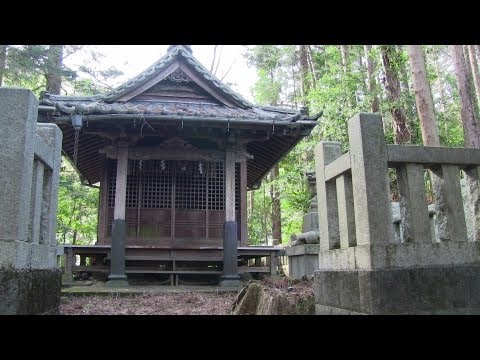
280, 297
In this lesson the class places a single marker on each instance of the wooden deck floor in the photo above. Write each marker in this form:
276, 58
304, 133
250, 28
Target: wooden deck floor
171, 261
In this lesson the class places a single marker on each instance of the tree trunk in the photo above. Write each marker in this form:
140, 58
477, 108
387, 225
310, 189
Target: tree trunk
403, 73
428, 122
54, 74
303, 62
276, 209
471, 134
3, 58
352, 102
344, 53
475, 72
471, 80
423, 96
312, 67
439, 80
251, 204
409, 100
467, 98
392, 85
372, 84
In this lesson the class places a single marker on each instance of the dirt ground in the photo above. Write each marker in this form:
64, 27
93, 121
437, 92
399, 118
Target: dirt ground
178, 303
149, 304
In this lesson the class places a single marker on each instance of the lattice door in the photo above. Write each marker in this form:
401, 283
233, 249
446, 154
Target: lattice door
169, 199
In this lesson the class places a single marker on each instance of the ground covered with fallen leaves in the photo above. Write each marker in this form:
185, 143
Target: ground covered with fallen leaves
149, 304
293, 289
187, 303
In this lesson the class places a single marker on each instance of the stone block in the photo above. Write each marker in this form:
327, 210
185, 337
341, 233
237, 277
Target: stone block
29, 292
310, 222
390, 292
318, 282
331, 290
349, 290
23, 257
18, 116
422, 290
8, 253
39, 256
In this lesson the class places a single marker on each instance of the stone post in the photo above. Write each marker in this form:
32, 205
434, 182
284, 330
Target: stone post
30, 281
325, 153
371, 192
413, 204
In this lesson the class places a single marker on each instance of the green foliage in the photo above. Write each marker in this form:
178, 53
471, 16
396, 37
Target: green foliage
340, 95
77, 209
266, 90
28, 65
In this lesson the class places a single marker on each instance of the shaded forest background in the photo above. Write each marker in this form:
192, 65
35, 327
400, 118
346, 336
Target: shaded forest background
426, 95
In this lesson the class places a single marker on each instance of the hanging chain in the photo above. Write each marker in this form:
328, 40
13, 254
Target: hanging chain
75, 147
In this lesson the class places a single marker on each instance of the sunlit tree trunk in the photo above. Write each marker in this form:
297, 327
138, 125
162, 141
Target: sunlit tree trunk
54, 74
3, 58
475, 72
467, 98
406, 88
423, 96
372, 84
428, 121
276, 208
439, 81
392, 85
344, 50
305, 83
312, 67
470, 130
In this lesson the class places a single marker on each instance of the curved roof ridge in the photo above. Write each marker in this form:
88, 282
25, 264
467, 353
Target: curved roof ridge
173, 51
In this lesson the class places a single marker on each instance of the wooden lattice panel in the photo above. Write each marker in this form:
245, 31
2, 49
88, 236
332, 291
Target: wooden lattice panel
189, 193
157, 179
216, 186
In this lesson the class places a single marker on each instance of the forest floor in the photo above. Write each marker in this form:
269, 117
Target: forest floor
178, 303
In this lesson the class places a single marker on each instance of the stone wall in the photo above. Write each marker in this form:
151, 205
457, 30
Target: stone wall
30, 156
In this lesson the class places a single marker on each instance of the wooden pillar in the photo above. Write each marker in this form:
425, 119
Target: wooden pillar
229, 185
117, 276
230, 275
103, 205
243, 203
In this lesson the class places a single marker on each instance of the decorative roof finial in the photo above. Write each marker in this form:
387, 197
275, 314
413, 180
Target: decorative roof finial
186, 47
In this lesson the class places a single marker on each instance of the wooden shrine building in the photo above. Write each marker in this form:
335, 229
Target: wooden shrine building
175, 151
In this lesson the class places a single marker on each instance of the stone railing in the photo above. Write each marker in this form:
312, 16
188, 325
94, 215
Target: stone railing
354, 202
364, 266
30, 156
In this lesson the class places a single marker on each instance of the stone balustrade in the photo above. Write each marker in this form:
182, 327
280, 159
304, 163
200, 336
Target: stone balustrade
363, 266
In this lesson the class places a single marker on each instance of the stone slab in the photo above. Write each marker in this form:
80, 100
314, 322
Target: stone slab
453, 289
